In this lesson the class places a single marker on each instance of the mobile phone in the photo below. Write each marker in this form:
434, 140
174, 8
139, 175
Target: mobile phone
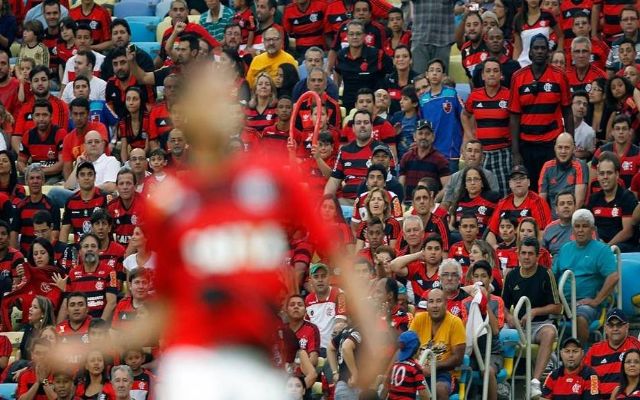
133, 48
474, 6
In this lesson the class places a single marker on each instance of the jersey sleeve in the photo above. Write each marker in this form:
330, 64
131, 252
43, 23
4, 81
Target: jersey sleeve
338, 169
67, 152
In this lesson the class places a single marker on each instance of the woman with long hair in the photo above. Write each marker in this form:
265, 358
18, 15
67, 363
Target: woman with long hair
505, 11
9, 178
401, 77
619, 95
133, 129
475, 196
331, 215
230, 60
286, 78
531, 21
40, 315
528, 227
93, 382
629, 387
261, 110
481, 250
597, 112
378, 205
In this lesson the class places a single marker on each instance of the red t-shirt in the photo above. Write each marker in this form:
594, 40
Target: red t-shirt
99, 21
73, 144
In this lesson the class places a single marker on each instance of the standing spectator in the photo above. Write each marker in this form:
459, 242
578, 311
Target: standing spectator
325, 304
606, 356
530, 22
307, 333
423, 160
585, 136
82, 41
521, 203
314, 59
469, 39
582, 72
406, 120
474, 195
443, 107
398, 35
443, 333
594, 266
121, 38
342, 355
618, 22
126, 209
539, 285
432, 33
216, 18
613, 205
495, 42
401, 77
574, 379
8, 26
245, 19
50, 19
124, 315
563, 172
32, 46
406, 378
486, 116
540, 109
559, 231
630, 30
98, 19
269, 61
451, 277
359, 65
304, 21
44, 12
629, 381
265, 11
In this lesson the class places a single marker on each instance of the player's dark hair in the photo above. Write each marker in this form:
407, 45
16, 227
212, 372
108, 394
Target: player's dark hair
38, 69
13, 173
42, 103
87, 236
367, 92
42, 217
79, 102
364, 112
391, 286
621, 119
493, 60
82, 26
466, 215
530, 242
374, 221
121, 22
100, 214
36, 27
119, 51
395, 10
4, 224
581, 14
434, 237
420, 187
76, 294
580, 93
611, 157
139, 272
47, 3
482, 264
158, 152
624, 379
377, 167
48, 247
367, 2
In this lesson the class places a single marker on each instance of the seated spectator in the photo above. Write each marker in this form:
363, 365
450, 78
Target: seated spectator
582, 379
606, 357
405, 120
344, 346
126, 209
382, 155
528, 227
63, 384
33, 382
285, 79
32, 46
307, 333
506, 250
613, 205
325, 304
83, 41
584, 135
539, 285
274, 138
111, 253
133, 129
374, 235
382, 103
261, 110
385, 292
482, 251
121, 39
423, 204
332, 217
84, 66
126, 310
521, 203
318, 81
376, 179
269, 61
40, 315
622, 146
469, 230
439, 329
22, 71
594, 267
563, 172
11, 259
93, 378
313, 58
629, 381
559, 231
128, 384
377, 205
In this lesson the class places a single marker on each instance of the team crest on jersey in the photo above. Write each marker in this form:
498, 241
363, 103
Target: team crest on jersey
313, 17
134, 219
587, 87
93, 24
483, 56
99, 285
543, 23
112, 263
447, 106
576, 388
303, 343
85, 338
482, 210
627, 165
364, 66
547, 87
256, 191
51, 154
86, 226
524, 213
615, 212
502, 104
45, 287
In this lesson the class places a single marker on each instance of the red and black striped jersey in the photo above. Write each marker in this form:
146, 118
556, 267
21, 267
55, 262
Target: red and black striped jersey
421, 283
492, 117
112, 257
273, 140
43, 149
482, 206
405, 39
539, 103
459, 252
568, 10
381, 130
160, 124
473, 56
577, 83
391, 231
256, 120
507, 255
306, 26
50, 41
606, 361
64, 53
635, 394
98, 19
338, 13
351, 166
562, 385
610, 12
124, 314
23, 224
24, 119
629, 161
375, 35
11, 261
125, 219
95, 285
77, 212
334, 115
137, 140
609, 214
247, 23
142, 384
115, 93
309, 337
405, 380
69, 335
532, 206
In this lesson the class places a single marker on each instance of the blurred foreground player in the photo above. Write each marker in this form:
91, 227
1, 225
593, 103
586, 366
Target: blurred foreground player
220, 235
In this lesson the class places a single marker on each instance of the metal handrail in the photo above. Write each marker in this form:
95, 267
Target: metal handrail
570, 311
483, 363
433, 358
525, 338
616, 250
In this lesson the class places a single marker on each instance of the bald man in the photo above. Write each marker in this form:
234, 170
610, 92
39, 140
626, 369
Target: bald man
565, 171
443, 333
138, 165
107, 167
271, 59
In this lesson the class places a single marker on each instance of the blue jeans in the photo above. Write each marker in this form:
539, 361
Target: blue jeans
59, 196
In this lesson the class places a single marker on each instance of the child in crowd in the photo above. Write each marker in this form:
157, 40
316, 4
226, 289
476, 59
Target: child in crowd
22, 72
158, 160
66, 47
506, 251
405, 120
244, 17
142, 377
406, 377
32, 45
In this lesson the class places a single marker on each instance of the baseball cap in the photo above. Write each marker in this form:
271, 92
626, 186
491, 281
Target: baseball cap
570, 340
382, 147
315, 267
408, 342
617, 313
519, 170
424, 124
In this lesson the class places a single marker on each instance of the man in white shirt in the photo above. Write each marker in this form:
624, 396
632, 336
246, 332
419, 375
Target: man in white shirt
84, 64
107, 167
584, 135
83, 42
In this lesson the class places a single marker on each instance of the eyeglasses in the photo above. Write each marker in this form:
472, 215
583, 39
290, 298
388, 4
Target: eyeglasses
618, 325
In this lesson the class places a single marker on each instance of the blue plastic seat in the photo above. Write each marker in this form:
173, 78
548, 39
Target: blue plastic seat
132, 8
142, 31
149, 19
347, 212
152, 48
8, 390
162, 8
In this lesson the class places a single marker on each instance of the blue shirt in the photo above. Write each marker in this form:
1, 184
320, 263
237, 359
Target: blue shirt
591, 265
443, 111
408, 128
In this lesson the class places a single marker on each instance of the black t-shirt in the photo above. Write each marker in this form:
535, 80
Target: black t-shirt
608, 215
337, 341
540, 288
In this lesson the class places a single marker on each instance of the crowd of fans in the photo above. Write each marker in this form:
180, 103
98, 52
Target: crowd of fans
451, 210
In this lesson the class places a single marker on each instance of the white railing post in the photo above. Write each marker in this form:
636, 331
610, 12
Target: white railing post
525, 338
569, 310
483, 361
428, 354
616, 251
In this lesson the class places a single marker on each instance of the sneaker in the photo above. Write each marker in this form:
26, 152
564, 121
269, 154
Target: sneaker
504, 391
535, 388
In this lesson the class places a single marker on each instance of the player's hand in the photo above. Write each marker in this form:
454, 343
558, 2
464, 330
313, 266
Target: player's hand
314, 151
20, 270
353, 380
16, 374
588, 302
60, 281
179, 27
291, 144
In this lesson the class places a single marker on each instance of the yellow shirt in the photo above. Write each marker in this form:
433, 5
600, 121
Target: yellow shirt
268, 64
450, 334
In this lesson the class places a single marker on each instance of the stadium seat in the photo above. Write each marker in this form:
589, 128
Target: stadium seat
142, 31
162, 26
151, 20
132, 8
152, 48
347, 212
630, 292
8, 390
162, 8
